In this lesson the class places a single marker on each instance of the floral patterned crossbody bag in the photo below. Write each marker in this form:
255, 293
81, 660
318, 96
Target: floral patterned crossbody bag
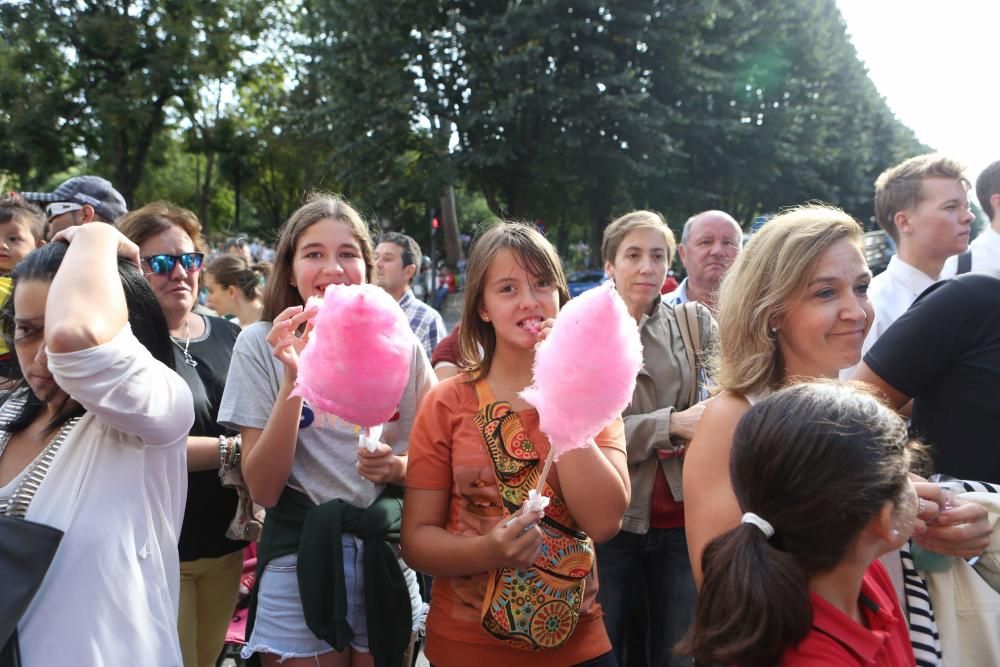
537, 607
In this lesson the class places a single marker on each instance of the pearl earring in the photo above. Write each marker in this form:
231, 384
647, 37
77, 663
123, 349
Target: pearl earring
774, 330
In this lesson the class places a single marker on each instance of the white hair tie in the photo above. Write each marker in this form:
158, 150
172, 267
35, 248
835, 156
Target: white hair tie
765, 527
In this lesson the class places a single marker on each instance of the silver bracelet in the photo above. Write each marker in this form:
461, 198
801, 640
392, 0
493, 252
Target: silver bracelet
222, 455
235, 451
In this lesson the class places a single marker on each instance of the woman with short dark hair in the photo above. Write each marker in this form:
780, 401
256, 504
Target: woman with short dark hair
172, 250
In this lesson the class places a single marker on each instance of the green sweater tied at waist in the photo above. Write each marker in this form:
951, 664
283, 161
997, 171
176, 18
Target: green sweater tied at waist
314, 532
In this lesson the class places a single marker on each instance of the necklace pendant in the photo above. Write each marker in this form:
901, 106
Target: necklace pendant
189, 360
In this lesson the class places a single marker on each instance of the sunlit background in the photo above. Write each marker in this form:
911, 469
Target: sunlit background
936, 64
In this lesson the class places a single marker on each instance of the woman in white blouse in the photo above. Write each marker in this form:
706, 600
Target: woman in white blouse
102, 417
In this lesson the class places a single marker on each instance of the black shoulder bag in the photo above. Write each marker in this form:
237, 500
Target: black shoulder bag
26, 548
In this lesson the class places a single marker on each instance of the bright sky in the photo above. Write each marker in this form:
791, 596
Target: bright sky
936, 64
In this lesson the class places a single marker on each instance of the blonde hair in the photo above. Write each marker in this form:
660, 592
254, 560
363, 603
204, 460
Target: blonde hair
766, 277
616, 232
534, 253
279, 293
901, 187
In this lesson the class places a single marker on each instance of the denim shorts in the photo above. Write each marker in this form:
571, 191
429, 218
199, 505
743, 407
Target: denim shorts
280, 626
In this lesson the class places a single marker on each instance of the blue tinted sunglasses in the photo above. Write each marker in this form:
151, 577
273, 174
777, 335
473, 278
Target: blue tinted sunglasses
164, 264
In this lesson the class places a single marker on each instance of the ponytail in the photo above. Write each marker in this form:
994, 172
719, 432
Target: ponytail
237, 271
817, 461
261, 272
753, 605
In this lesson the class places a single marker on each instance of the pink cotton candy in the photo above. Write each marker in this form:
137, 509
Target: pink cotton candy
585, 370
357, 361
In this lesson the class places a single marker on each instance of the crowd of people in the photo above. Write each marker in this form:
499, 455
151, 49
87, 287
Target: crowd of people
803, 476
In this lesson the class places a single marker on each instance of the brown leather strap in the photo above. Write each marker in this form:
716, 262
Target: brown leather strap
687, 321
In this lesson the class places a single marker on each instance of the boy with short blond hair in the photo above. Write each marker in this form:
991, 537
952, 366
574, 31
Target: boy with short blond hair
923, 204
984, 252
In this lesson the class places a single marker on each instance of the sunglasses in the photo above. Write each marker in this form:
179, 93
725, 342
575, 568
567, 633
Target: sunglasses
60, 207
164, 264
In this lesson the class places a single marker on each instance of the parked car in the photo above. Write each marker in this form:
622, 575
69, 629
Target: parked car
878, 249
581, 281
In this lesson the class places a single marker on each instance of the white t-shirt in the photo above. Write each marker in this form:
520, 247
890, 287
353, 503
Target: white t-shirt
326, 454
892, 292
985, 255
117, 488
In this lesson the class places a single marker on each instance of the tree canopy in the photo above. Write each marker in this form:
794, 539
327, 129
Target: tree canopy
564, 112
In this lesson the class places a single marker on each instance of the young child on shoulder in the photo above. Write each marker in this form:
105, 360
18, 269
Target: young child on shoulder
22, 228
509, 587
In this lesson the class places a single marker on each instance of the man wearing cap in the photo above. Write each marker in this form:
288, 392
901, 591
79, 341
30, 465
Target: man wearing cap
79, 200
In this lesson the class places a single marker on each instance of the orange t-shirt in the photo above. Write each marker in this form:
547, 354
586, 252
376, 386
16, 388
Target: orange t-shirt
447, 452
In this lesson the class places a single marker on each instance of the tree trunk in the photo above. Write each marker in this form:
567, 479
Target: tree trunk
236, 190
205, 194
562, 235
600, 214
449, 220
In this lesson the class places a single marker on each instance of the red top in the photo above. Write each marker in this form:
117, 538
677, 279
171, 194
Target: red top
664, 511
447, 348
837, 639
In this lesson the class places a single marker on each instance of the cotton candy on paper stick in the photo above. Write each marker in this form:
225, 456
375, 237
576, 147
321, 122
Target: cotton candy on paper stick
357, 360
584, 374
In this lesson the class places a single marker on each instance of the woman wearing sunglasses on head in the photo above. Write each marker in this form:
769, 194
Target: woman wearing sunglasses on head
171, 250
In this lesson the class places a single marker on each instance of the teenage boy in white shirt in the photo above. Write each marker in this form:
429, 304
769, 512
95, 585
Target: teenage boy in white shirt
985, 250
923, 204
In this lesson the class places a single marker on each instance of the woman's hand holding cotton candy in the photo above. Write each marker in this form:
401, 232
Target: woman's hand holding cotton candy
514, 542
286, 344
381, 466
544, 329
358, 359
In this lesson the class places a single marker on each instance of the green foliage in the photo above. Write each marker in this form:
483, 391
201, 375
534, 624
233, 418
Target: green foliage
123, 65
35, 102
562, 111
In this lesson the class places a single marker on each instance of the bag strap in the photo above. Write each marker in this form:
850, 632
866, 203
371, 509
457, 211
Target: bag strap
964, 263
687, 321
516, 462
17, 505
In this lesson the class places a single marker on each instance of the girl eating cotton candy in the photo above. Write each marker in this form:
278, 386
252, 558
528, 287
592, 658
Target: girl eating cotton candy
303, 462
477, 449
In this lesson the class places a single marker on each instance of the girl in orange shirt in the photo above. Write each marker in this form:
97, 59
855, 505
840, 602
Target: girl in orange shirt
509, 587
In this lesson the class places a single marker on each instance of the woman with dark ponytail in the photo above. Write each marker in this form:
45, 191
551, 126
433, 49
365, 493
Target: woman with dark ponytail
92, 444
820, 471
